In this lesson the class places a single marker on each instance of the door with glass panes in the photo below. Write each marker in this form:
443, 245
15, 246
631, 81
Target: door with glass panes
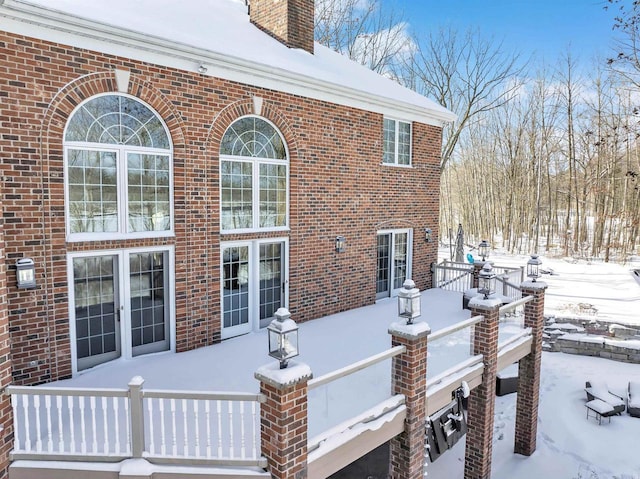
393, 261
120, 305
253, 285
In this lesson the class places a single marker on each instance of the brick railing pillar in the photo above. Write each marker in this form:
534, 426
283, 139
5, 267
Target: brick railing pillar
283, 419
529, 371
477, 464
409, 377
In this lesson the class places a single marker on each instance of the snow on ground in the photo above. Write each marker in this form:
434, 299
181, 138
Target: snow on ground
569, 445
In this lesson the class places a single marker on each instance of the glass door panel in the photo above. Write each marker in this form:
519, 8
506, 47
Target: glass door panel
400, 260
235, 291
271, 280
96, 310
383, 275
148, 280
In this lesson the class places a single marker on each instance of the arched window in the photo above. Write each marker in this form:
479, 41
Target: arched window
253, 176
118, 170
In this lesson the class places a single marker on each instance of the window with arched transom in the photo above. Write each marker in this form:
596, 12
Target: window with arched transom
254, 176
118, 170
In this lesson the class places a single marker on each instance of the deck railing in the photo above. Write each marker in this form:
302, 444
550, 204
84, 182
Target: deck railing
452, 276
107, 425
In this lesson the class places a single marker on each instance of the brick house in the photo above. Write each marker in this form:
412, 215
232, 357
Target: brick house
178, 174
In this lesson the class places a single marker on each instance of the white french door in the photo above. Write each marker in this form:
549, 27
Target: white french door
393, 261
254, 284
120, 304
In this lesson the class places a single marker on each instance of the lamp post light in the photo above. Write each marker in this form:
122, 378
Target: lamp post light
487, 281
283, 337
409, 301
483, 249
533, 267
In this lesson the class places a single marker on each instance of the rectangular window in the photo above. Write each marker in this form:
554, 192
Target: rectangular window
396, 142
236, 180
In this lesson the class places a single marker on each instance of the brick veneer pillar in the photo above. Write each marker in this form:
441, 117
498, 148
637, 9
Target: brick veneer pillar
283, 419
477, 464
409, 377
529, 371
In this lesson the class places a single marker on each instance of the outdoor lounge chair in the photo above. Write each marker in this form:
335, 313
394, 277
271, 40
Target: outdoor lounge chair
598, 390
634, 398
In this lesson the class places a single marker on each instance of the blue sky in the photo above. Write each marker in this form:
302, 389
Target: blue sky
541, 27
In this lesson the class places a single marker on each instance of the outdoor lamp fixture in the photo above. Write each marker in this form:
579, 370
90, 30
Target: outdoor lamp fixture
26, 273
483, 249
409, 301
427, 235
341, 244
487, 281
533, 267
283, 337
202, 69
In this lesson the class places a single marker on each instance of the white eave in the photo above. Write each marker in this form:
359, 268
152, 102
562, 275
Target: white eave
23, 18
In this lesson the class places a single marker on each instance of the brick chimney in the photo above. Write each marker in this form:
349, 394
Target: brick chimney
289, 21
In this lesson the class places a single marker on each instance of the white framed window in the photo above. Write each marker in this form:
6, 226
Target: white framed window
121, 304
254, 177
396, 142
118, 162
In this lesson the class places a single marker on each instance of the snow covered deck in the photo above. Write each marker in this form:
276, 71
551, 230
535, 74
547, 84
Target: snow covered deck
171, 421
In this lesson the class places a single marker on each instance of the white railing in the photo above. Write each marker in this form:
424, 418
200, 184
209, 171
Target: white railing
191, 427
453, 276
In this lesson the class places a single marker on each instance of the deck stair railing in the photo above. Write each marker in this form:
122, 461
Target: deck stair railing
109, 425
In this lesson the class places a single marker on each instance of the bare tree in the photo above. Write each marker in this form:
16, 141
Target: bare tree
363, 31
466, 73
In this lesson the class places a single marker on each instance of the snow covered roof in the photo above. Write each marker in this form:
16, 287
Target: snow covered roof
217, 35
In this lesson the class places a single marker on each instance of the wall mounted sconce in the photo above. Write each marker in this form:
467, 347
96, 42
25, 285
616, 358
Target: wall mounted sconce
341, 244
427, 235
26, 273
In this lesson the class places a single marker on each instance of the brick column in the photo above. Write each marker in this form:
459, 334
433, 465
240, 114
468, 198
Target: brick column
529, 371
477, 267
409, 377
477, 464
283, 419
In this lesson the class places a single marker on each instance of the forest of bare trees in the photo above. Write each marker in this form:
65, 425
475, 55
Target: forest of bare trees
543, 157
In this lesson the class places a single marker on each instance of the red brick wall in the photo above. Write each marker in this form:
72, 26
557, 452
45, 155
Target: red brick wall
337, 182
290, 21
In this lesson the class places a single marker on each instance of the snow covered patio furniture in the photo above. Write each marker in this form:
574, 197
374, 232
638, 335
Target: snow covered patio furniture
599, 409
599, 390
633, 405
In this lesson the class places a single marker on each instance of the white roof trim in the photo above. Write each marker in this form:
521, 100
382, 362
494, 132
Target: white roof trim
35, 21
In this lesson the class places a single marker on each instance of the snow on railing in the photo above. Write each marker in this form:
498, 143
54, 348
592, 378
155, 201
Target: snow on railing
114, 424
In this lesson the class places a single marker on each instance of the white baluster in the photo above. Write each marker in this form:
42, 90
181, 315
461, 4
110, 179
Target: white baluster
255, 432
83, 429
241, 406
72, 446
36, 406
16, 420
60, 427
184, 428
196, 418
127, 424
219, 410
47, 406
152, 442
230, 412
116, 415
174, 443
105, 426
163, 437
94, 443
207, 413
